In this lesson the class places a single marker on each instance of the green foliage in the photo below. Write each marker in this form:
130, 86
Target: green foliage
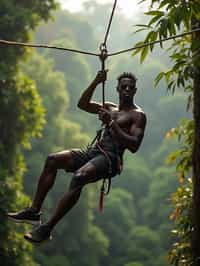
26, 117
167, 23
145, 243
133, 264
21, 118
117, 222
75, 68
167, 20
183, 156
159, 191
181, 253
18, 19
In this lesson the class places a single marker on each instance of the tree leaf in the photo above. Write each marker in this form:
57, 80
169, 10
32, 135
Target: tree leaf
144, 54
155, 13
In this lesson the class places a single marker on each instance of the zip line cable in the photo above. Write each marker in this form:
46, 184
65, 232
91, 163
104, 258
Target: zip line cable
12, 43
154, 42
5, 42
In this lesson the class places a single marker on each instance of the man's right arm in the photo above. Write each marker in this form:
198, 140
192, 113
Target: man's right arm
85, 102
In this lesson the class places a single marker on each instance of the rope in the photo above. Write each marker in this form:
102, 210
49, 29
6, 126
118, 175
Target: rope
110, 22
154, 42
103, 56
5, 42
103, 49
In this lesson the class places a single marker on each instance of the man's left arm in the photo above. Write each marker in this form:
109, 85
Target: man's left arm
133, 139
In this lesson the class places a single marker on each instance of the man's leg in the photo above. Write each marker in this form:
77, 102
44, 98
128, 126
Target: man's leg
60, 160
96, 169
83, 176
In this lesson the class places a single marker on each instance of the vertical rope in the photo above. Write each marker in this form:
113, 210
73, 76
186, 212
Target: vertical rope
103, 48
103, 56
110, 22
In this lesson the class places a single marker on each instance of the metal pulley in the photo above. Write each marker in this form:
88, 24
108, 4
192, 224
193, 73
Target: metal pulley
103, 56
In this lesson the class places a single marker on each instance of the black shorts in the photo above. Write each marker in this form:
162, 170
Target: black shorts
104, 169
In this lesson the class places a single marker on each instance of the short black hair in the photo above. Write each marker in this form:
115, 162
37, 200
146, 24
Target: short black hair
128, 75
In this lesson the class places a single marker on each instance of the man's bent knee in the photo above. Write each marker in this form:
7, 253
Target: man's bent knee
78, 181
83, 176
51, 162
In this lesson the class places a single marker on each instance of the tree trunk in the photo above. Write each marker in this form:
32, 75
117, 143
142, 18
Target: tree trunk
196, 150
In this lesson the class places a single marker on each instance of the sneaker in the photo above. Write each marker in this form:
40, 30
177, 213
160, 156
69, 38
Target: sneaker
27, 215
40, 234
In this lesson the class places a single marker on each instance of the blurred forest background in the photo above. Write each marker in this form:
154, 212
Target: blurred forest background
134, 229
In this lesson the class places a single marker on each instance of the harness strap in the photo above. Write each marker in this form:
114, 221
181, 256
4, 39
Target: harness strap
103, 191
97, 137
107, 157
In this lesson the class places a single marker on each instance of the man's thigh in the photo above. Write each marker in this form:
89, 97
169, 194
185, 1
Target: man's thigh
69, 160
95, 169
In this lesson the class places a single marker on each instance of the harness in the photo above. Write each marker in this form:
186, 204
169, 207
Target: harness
105, 188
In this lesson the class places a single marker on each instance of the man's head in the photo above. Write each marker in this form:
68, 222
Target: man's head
126, 86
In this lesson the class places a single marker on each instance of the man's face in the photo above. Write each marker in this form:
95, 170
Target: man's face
126, 89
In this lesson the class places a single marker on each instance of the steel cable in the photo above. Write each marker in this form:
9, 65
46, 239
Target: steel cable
5, 42
110, 22
154, 42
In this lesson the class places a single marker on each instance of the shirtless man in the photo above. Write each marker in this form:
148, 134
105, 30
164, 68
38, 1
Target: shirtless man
124, 129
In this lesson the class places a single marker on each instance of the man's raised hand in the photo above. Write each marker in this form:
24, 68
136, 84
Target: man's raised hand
101, 76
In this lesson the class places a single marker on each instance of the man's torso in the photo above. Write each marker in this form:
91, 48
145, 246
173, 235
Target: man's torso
125, 119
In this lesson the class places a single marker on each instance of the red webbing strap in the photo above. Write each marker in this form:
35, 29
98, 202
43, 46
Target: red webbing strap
102, 192
101, 198
107, 157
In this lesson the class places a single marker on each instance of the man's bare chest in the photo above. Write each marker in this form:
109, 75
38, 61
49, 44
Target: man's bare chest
123, 119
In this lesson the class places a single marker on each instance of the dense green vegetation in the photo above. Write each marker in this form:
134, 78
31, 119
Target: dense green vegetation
21, 117
134, 229
167, 18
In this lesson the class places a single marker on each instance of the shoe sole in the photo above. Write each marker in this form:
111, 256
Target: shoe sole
24, 221
38, 243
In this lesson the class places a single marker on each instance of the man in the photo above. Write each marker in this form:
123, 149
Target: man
124, 129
